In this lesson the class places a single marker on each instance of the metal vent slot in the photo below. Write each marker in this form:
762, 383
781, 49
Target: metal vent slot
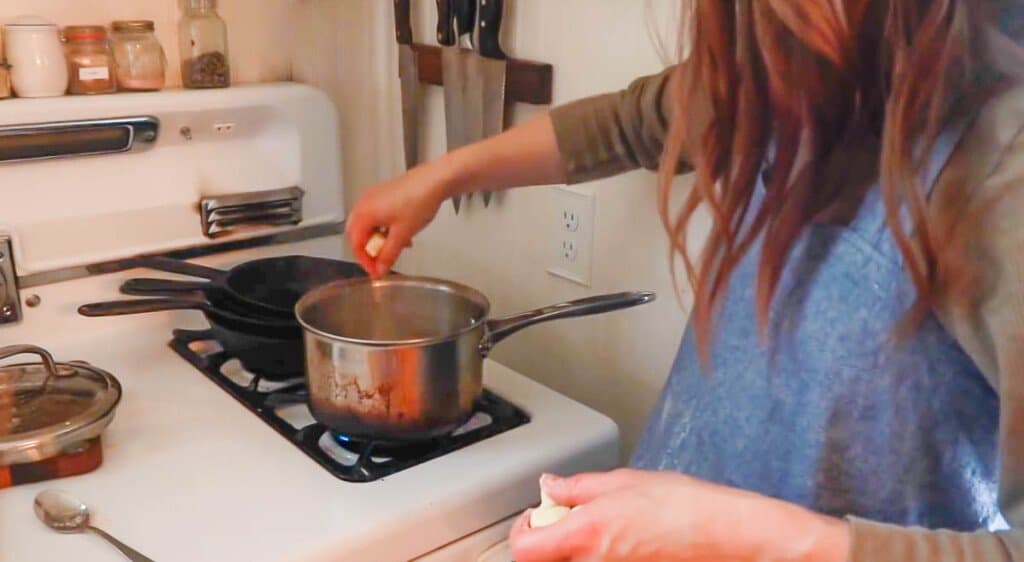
278, 207
77, 138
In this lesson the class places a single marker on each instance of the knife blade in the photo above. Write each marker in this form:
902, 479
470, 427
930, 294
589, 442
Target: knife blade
488, 72
455, 20
408, 74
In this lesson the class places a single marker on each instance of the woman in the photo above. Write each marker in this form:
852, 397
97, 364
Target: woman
863, 165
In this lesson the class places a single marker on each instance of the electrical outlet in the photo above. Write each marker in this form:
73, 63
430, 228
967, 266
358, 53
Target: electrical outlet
223, 128
569, 251
571, 234
570, 220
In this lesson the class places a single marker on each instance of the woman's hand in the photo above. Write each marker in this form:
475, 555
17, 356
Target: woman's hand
665, 517
401, 207
524, 155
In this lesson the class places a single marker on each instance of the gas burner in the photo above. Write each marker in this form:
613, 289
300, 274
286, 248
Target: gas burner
202, 344
283, 406
236, 373
347, 450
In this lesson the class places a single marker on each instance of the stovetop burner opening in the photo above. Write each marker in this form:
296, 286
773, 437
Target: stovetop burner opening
283, 406
205, 347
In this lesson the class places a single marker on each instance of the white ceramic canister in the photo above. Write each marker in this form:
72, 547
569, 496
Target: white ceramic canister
38, 66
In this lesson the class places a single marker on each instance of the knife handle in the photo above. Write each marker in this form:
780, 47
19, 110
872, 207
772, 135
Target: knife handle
403, 22
464, 12
488, 28
445, 28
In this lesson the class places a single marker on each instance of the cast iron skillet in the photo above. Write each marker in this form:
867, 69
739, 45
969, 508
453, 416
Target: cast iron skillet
264, 288
269, 348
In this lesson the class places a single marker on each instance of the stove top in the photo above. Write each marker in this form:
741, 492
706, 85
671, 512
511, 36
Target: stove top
207, 466
281, 404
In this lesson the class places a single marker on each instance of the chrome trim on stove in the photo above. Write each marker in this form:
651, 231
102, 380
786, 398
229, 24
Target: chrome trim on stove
10, 300
300, 234
45, 141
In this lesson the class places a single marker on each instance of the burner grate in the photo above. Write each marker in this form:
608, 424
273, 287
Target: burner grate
349, 460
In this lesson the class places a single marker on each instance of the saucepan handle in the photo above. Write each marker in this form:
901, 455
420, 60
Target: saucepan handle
138, 306
501, 328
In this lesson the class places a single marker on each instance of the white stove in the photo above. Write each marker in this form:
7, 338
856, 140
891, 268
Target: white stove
189, 472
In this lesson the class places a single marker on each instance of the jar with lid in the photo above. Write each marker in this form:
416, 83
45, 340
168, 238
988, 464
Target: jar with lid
38, 65
5, 80
5, 74
90, 62
139, 60
204, 46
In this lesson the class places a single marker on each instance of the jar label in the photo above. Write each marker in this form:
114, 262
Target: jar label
94, 73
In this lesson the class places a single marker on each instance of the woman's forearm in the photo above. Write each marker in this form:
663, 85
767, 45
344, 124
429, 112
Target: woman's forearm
522, 156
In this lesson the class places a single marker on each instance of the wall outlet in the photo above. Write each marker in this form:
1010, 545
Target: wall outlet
571, 234
570, 219
569, 254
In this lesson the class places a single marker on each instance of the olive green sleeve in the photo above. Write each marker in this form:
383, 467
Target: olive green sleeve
877, 542
613, 133
990, 162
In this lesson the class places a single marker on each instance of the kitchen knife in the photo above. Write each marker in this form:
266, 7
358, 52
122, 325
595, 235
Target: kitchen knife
454, 20
488, 71
408, 74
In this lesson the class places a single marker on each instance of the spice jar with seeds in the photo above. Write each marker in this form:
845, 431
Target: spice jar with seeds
90, 62
204, 46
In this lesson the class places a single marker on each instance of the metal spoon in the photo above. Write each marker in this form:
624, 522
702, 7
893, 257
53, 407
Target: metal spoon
64, 513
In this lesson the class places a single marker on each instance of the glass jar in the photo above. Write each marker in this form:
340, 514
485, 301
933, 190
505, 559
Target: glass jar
139, 60
39, 67
204, 46
90, 62
5, 80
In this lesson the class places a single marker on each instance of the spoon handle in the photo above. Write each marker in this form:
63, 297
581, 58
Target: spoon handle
131, 553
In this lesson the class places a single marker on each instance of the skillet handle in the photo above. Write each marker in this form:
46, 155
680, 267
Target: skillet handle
501, 328
181, 267
138, 306
149, 287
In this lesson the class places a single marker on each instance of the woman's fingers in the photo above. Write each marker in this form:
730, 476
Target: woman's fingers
359, 230
561, 541
584, 488
521, 525
397, 240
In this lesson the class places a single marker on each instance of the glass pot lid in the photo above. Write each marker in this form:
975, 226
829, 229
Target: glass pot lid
47, 406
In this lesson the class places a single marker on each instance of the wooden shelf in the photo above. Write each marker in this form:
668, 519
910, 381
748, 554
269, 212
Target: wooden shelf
528, 82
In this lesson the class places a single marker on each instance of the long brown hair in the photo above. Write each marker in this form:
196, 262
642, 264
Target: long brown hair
806, 78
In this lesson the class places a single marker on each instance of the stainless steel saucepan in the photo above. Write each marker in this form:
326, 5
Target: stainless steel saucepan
401, 358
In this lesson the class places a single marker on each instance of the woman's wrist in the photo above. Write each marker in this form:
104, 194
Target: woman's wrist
454, 172
791, 533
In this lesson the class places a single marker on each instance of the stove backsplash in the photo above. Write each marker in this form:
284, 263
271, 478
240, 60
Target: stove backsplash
86, 209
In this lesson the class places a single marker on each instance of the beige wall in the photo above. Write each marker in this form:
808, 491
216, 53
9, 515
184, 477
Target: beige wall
616, 363
259, 30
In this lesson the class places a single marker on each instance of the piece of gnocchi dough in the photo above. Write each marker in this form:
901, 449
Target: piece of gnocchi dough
544, 516
375, 244
547, 513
